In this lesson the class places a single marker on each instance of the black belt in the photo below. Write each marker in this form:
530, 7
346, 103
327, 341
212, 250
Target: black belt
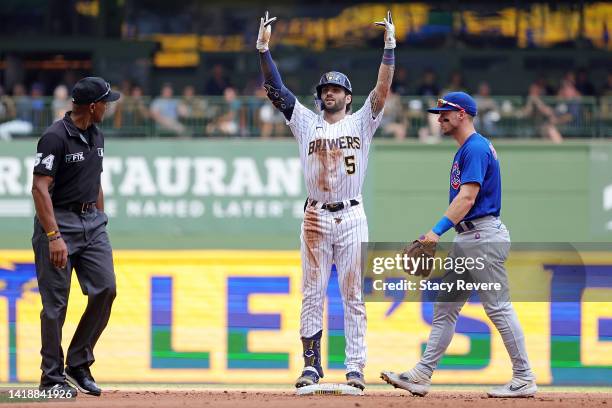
333, 207
464, 227
79, 208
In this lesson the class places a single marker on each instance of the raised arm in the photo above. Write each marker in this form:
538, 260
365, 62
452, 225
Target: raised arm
281, 97
385, 73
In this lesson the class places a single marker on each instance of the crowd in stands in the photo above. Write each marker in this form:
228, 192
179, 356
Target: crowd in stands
546, 110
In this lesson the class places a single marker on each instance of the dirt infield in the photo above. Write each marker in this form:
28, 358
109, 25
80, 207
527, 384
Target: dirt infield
286, 398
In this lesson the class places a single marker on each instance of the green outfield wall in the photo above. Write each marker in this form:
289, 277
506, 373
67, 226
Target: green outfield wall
249, 194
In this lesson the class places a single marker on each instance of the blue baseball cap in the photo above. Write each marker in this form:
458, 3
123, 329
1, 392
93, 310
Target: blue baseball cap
334, 78
456, 101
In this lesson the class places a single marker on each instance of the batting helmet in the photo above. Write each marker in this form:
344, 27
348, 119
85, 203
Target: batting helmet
334, 78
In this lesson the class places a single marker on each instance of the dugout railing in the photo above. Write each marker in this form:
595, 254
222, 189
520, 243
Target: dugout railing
253, 116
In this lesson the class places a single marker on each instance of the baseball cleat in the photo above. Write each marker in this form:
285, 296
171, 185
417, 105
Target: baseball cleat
412, 380
308, 377
516, 388
355, 379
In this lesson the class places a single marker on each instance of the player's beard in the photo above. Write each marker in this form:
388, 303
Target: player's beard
336, 107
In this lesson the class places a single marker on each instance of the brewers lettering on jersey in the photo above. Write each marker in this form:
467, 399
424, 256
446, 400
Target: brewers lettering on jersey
334, 156
334, 146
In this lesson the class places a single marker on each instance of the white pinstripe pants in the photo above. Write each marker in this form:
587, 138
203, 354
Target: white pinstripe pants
329, 238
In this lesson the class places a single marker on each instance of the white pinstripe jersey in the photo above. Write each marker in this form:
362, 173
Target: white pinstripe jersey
334, 156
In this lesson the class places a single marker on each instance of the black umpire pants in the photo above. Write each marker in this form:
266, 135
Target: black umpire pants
90, 254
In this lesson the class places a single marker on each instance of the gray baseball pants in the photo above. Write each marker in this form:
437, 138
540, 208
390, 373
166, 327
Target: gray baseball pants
489, 240
90, 254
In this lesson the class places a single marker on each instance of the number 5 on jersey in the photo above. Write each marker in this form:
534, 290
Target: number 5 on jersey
349, 163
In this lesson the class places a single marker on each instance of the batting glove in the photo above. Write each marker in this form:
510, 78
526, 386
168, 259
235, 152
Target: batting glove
389, 30
265, 31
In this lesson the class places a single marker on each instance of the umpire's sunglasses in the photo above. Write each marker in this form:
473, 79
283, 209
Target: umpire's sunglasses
105, 94
443, 102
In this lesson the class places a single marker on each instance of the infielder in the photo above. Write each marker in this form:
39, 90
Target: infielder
475, 204
334, 148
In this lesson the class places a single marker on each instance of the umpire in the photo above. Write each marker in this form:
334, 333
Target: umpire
70, 232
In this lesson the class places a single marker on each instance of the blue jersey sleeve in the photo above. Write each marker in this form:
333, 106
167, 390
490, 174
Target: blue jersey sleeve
281, 97
475, 162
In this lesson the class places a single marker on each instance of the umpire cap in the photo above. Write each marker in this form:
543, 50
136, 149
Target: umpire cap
93, 89
334, 78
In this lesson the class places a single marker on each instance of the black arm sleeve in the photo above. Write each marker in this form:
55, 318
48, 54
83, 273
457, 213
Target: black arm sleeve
281, 97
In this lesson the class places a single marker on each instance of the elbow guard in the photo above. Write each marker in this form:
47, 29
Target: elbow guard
281, 98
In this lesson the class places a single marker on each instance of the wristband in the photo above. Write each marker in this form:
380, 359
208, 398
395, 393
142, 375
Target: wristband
442, 226
388, 56
52, 233
55, 237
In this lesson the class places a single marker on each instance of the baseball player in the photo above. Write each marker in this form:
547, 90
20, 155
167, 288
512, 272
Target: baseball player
333, 146
475, 204
70, 232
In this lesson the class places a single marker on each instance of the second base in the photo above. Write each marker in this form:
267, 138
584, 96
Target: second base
329, 389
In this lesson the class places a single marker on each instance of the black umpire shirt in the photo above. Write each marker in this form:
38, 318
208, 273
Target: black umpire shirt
74, 159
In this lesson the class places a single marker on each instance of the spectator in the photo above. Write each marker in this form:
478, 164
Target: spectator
118, 107
7, 113
23, 105
7, 106
252, 106
569, 106
132, 111
229, 122
543, 115
191, 106
430, 133
217, 84
37, 105
10, 122
192, 109
60, 104
544, 83
394, 120
428, 86
164, 111
583, 84
569, 76
488, 110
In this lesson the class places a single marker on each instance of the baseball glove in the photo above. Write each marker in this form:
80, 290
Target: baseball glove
420, 258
